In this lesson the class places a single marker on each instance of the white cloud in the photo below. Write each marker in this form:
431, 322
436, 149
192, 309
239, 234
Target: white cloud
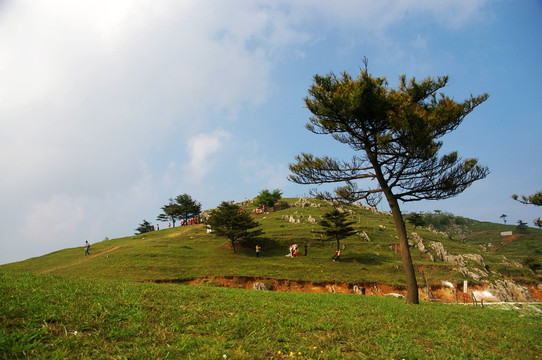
52, 219
101, 101
201, 150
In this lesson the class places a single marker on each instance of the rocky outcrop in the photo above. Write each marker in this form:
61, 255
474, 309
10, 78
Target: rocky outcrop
507, 290
477, 258
364, 235
262, 286
443, 255
474, 273
305, 202
417, 241
302, 202
399, 296
508, 263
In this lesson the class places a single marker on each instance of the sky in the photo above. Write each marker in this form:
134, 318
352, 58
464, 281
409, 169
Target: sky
110, 108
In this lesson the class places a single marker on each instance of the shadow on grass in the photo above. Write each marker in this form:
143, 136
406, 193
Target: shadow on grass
269, 246
367, 259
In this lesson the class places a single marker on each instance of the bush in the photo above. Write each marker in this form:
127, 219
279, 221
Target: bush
532, 264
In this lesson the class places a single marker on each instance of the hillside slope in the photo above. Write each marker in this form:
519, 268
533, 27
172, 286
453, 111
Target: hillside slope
488, 261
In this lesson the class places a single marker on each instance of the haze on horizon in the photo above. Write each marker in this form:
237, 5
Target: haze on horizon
111, 108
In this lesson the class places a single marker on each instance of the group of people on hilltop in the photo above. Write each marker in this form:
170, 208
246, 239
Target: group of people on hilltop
293, 251
260, 210
192, 221
182, 222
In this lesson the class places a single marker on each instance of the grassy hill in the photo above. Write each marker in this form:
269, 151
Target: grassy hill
190, 252
128, 298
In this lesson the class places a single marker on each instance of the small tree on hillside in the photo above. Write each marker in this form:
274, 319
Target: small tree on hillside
395, 136
522, 226
170, 212
336, 226
188, 208
230, 221
416, 219
538, 222
267, 198
503, 217
144, 227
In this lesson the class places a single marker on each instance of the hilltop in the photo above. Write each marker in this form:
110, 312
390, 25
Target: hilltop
493, 265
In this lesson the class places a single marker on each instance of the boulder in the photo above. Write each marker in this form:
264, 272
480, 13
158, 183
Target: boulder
262, 286
507, 290
399, 296
418, 242
365, 237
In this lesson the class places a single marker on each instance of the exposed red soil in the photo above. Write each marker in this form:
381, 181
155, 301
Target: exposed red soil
512, 238
435, 293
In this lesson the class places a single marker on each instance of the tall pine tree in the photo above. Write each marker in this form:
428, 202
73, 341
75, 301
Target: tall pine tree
394, 135
336, 226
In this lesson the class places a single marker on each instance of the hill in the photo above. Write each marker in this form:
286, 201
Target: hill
489, 262
132, 297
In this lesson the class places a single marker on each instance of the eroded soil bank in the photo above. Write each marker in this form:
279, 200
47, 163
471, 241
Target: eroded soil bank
443, 294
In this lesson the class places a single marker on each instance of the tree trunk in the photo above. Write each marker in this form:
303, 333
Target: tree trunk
233, 246
412, 284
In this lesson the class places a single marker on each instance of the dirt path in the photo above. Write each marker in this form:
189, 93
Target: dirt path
86, 258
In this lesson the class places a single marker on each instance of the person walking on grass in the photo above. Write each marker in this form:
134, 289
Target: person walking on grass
258, 249
87, 248
337, 256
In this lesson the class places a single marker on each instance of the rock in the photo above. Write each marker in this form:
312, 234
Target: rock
418, 242
476, 274
477, 258
358, 290
302, 202
444, 255
364, 235
262, 286
484, 295
507, 290
399, 296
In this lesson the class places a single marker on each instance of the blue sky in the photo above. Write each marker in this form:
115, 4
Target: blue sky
110, 108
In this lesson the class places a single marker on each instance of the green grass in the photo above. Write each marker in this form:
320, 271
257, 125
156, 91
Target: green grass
106, 306
189, 252
44, 316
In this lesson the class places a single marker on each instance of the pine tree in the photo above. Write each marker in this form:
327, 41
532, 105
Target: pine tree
395, 138
230, 221
336, 226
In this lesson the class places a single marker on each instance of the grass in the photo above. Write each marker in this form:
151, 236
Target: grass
188, 252
45, 316
106, 306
